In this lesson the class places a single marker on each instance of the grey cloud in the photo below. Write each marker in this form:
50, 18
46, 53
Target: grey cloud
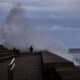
69, 37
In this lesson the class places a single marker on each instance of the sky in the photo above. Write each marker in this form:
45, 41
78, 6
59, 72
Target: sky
59, 19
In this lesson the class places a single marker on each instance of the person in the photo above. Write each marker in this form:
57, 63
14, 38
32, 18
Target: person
31, 49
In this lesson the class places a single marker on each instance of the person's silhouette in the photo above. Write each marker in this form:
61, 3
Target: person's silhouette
31, 49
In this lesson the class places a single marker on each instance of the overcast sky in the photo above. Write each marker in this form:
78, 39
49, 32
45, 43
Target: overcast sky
60, 18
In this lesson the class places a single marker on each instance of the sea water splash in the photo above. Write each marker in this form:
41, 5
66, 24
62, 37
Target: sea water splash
17, 32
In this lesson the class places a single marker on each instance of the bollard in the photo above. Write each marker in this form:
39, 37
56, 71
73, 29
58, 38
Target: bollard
11, 67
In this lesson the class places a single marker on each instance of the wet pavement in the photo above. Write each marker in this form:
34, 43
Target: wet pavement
27, 68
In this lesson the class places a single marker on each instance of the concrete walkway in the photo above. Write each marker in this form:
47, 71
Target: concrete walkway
28, 67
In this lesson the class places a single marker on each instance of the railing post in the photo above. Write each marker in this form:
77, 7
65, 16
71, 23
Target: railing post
11, 67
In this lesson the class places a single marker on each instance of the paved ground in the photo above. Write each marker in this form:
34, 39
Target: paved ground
4, 70
27, 68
